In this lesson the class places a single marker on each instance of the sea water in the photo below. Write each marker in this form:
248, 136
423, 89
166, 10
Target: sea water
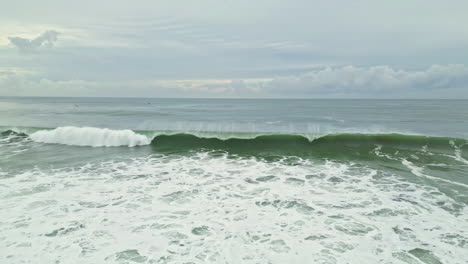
113, 180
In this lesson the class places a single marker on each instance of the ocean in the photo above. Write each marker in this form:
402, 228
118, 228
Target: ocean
145, 180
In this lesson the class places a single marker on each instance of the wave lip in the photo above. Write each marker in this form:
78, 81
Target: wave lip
90, 136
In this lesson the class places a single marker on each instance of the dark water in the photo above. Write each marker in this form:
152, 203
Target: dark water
93, 180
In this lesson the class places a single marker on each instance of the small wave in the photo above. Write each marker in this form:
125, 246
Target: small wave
10, 134
90, 136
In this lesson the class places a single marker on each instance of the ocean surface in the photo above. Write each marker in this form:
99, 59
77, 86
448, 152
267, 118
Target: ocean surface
108, 180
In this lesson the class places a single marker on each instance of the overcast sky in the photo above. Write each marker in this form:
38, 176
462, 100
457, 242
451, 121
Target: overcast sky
235, 48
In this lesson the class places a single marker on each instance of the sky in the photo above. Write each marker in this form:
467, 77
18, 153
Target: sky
235, 48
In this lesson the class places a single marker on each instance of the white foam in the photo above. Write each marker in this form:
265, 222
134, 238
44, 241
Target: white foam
90, 136
458, 153
418, 171
149, 208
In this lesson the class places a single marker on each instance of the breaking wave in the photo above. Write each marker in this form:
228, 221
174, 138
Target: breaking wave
90, 136
295, 144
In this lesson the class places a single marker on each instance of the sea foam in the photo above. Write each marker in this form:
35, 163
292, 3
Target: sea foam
206, 208
90, 136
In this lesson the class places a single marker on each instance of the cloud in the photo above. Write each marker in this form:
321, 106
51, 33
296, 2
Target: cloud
376, 81
15, 82
437, 81
46, 39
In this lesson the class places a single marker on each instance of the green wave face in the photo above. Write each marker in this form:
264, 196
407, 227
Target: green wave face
268, 144
332, 146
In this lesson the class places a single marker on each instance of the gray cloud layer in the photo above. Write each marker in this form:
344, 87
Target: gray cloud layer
46, 39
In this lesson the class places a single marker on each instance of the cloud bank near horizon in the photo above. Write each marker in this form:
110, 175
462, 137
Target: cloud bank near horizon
375, 81
329, 82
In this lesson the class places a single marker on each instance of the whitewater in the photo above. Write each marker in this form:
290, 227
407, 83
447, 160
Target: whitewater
108, 180
90, 136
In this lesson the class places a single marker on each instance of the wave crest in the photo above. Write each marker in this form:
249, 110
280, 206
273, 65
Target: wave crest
90, 136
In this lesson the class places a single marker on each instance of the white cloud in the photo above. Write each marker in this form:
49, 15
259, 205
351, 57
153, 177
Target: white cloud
377, 81
444, 81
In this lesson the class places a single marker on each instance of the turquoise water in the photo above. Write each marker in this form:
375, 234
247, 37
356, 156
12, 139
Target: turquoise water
107, 180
